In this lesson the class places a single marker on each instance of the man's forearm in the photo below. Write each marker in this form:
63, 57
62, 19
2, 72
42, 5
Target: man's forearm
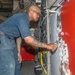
30, 40
38, 43
18, 42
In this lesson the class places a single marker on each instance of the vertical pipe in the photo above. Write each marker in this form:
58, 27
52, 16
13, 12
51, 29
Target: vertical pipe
48, 38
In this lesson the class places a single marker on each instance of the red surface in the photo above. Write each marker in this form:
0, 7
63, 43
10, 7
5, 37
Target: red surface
68, 27
27, 52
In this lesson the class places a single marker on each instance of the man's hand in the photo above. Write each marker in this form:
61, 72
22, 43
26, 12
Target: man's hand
52, 46
19, 57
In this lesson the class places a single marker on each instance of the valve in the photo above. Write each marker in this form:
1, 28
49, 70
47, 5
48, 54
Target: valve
60, 34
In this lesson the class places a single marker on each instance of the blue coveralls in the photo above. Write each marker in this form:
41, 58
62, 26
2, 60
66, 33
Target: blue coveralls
15, 26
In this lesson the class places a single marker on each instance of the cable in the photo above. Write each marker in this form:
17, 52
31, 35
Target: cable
53, 3
41, 61
60, 4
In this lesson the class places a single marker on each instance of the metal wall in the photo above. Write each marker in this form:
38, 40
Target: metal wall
68, 27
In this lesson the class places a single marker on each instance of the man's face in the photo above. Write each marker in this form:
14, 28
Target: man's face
36, 15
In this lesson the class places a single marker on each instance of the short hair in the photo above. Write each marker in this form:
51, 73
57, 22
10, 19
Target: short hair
33, 7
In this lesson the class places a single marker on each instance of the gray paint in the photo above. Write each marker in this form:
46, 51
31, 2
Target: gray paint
54, 36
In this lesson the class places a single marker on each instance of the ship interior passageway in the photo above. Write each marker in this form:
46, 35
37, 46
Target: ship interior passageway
56, 24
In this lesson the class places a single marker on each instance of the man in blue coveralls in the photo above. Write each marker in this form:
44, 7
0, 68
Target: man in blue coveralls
14, 27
